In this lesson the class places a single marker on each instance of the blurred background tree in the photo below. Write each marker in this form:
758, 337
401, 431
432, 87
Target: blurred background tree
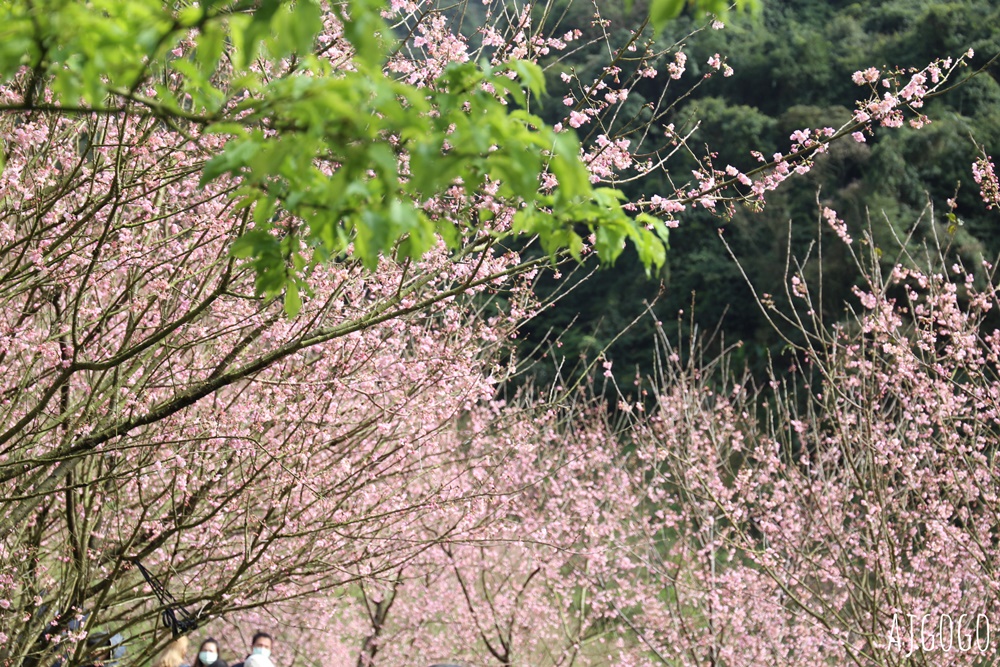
793, 63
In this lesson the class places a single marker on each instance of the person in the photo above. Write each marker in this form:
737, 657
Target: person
98, 649
104, 650
174, 655
260, 651
208, 655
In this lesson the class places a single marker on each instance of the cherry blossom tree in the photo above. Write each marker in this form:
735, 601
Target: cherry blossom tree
161, 417
844, 512
820, 519
158, 413
248, 255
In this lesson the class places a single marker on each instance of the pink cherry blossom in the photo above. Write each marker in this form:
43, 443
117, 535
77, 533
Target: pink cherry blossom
576, 119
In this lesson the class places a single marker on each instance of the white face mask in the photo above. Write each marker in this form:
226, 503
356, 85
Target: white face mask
208, 657
260, 650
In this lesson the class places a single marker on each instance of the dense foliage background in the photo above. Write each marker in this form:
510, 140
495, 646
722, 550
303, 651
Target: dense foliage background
793, 63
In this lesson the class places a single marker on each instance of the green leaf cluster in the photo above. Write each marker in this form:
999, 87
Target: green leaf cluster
334, 164
316, 153
662, 12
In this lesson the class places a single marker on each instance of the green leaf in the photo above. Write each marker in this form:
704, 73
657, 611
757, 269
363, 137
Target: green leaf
264, 210
663, 11
529, 120
372, 236
235, 156
449, 231
420, 237
661, 230
271, 276
525, 220
247, 37
573, 177
210, 44
609, 197
384, 159
531, 75
307, 20
190, 16
225, 128
427, 165
652, 254
363, 24
254, 243
293, 302
576, 246
512, 89
609, 243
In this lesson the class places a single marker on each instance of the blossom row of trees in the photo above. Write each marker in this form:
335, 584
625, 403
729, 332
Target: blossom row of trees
843, 514
259, 288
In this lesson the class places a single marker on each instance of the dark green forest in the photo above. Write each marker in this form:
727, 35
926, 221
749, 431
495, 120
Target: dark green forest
793, 62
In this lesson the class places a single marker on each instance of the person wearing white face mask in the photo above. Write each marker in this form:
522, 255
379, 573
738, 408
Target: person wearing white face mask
208, 655
260, 651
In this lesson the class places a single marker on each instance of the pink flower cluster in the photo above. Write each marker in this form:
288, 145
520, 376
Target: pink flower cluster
985, 176
607, 157
677, 67
838, 225
887, 108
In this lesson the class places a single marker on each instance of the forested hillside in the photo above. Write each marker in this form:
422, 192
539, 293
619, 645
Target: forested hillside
793, 63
